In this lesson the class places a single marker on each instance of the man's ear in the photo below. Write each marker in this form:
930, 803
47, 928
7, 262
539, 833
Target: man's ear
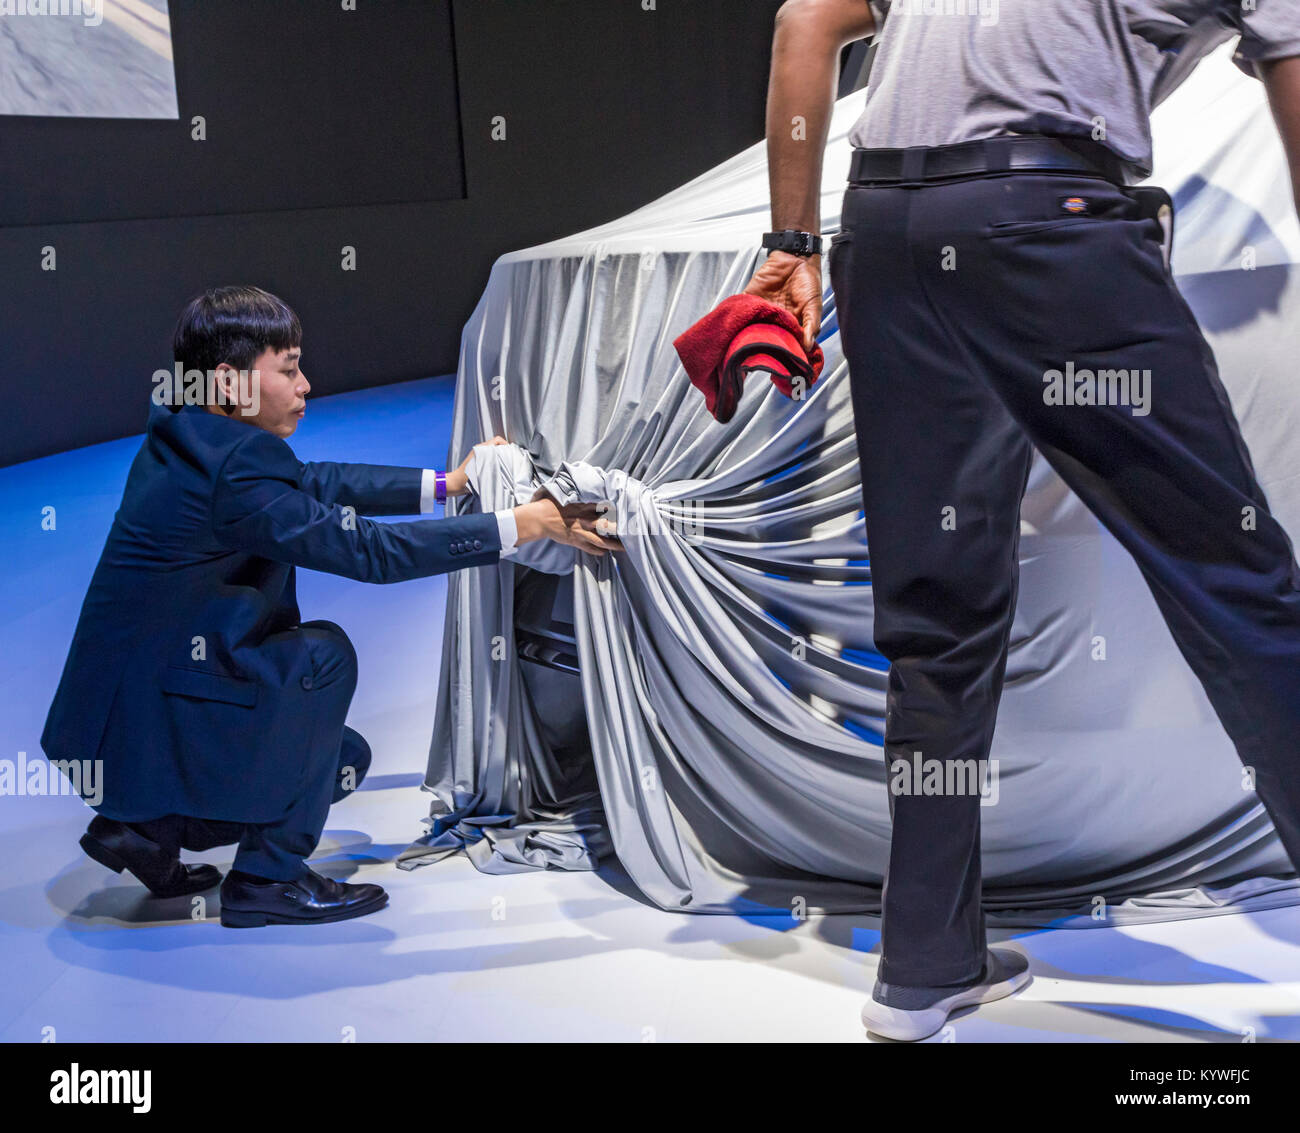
225, 391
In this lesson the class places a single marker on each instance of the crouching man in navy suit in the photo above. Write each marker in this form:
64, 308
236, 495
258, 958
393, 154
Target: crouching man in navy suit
218, 713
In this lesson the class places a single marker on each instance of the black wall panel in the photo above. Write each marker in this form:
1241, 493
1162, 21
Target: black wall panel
304, 105
606, 106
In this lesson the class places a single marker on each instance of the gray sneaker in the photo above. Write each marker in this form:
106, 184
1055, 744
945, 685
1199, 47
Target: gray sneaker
911, 1013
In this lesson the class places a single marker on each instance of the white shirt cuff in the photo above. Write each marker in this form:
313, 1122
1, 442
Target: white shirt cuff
509, 531
428, 490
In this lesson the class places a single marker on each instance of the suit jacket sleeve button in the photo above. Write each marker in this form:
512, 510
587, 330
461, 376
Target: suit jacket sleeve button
478, 544
306, 683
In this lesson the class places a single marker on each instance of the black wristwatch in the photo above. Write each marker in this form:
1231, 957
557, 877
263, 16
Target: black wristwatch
793, 241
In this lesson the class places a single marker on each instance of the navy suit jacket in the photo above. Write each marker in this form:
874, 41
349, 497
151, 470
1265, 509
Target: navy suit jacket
185, 674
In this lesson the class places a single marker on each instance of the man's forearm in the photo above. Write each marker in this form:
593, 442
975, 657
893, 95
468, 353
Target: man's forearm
806, 46
1282, 80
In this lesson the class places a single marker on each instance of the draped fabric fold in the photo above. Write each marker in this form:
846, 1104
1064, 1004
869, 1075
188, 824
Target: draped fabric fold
708, 703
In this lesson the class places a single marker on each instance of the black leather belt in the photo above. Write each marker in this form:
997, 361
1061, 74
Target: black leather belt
987, 155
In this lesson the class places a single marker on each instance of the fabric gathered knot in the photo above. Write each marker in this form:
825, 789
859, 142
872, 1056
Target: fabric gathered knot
504, 476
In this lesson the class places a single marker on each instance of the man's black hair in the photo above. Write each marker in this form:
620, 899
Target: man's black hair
233, 325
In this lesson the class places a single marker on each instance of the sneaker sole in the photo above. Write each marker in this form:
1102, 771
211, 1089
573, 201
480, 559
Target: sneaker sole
910, 1026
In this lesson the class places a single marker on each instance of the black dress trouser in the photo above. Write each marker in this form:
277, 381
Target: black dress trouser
959, 305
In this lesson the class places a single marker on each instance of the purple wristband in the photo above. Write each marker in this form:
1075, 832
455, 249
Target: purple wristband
440, 486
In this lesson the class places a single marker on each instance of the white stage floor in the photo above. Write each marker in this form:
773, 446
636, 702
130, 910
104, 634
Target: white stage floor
539, 957
557, 957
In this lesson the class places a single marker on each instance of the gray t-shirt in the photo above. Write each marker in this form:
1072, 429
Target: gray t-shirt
952, 70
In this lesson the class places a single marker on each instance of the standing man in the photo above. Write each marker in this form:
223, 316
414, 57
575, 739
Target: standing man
1002, 284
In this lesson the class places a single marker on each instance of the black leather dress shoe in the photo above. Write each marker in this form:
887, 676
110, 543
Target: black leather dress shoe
115, 845
312, 899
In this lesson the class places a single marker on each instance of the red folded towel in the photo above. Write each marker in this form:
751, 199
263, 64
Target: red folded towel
741, 334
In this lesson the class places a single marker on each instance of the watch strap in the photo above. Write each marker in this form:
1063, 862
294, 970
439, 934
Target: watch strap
794, 241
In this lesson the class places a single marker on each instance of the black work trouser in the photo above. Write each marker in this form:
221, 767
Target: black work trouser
337, 759
982, 316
